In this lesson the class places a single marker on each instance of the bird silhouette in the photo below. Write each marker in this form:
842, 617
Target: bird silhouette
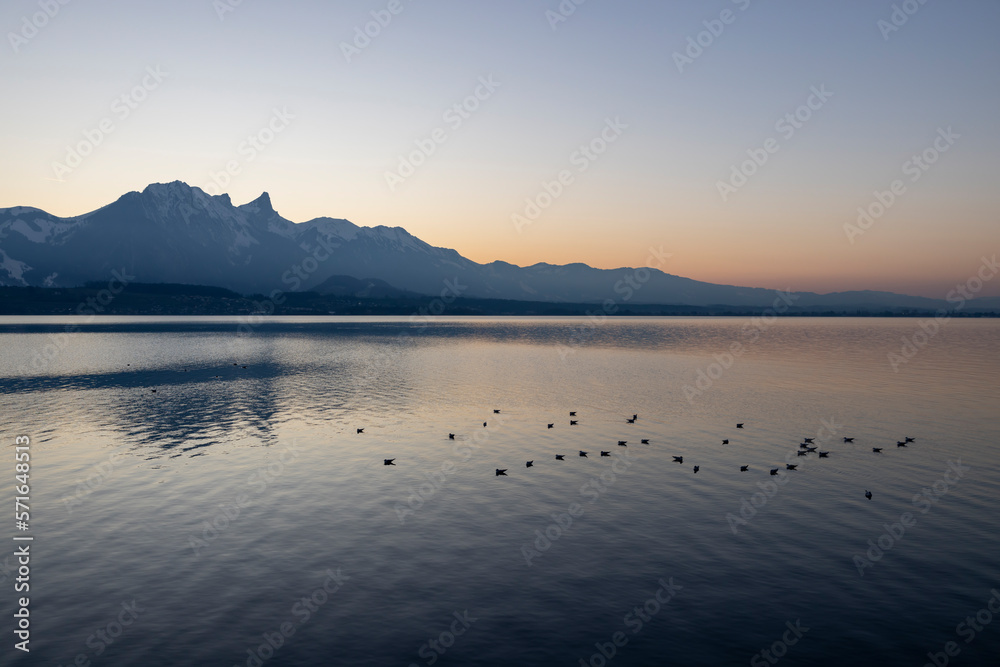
551, 425
361, 430
908, 439
774, 471
877, 450
725, 442
484, 424
848, 439
636, 416
791, 466
679, 459
696, 468
572, 422
645, 441
808, 439
605, 453
583, 454
740, 425
501, 472
496, 412
623, 443
802, 452
572, 414
630, 421
868, 494
529, 464
744, 468
559, 457
901, 444
451, 436
388, 462
824, 455
153, 390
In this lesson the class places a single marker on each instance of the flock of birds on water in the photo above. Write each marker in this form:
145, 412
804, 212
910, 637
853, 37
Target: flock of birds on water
806, 447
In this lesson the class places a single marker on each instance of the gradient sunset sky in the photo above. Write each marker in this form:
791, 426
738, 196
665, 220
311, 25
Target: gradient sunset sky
892, 84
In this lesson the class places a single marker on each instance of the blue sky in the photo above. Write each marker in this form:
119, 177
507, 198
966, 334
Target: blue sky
330, 129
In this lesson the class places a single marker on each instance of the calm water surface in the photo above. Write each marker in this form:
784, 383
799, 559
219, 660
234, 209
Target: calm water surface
236, 505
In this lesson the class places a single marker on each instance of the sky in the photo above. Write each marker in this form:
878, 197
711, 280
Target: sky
743, 137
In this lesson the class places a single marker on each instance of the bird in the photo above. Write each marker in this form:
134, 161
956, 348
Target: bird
451, 436
551, 425
725, 442
496, 412
484, 424
809, 440
791, 466
645, 441
848, 439
388, 462
803, 445
605, 453
868, 494
740, 425
908, 439
501, 471
572, 414
877, 450
802, 452
679, 459
244, 367
153, 390
583, 454
824, 455
635, 416
901, 444
630, 421
572, 422
235, 364
361, 430
744, 468
529, 464
774, 471
810, 449
559, 457
623, 443
696, 468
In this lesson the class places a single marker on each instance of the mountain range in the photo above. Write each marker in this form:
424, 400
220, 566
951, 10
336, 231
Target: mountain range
175, 233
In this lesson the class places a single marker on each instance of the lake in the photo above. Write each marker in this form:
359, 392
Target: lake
236, 516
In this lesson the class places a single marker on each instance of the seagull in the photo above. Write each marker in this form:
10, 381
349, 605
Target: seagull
848, 439
559, 457
824, 455
361, 430
572, 414
774, 471
809, 440
679, 459
529, 464
388, 462
696, 468
725, 442
802, 452
451, 436
502, 472
496, 412
744, 468
645, 441
551, 425
868, 494
877, 450
791, 466
583, 454
901, 444
605, 453
622, 443
908, 439
740, 425
572, 422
